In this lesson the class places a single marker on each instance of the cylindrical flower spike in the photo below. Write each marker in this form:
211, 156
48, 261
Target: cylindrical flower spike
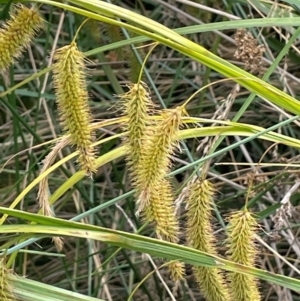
17, 33
200, 236
242, 250
72, 99
155, 160
136, 105
161, 212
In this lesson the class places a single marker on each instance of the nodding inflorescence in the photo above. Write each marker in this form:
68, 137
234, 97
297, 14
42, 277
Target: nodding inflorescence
136, 106
161, 212
155, 161
242, 249
17, 33
148, 147
72, 98
200, 236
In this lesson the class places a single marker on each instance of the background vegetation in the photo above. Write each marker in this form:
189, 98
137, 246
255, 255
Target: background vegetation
103, 257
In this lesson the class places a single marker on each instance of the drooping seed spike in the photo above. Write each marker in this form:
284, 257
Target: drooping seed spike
141, 137
72, 98
136, 105
17, 33
162, 214
200, 236
155, 161
242, 249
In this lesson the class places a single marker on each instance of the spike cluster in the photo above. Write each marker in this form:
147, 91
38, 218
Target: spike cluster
72, 99
200, 236
148, 148
242, 250
155, 195
17, 33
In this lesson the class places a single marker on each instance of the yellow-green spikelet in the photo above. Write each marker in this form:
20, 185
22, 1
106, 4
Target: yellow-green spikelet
200, 236
242, 250
155, 160
72, 99
17, 33
161, 212
136, 105
6, 290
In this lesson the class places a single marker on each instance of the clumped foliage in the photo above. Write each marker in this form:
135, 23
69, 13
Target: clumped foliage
174, 201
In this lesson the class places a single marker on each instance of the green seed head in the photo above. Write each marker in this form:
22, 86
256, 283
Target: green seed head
72, 99
17, 33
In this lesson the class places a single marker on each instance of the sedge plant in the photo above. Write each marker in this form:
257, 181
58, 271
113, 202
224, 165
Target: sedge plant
153, 140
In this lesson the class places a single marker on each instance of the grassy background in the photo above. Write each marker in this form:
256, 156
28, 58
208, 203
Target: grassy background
29, 117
